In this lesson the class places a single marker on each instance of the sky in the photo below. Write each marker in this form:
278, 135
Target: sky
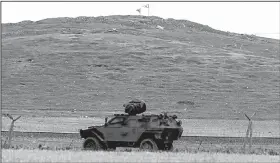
259, 18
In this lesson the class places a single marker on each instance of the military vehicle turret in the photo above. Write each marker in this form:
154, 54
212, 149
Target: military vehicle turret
147, 132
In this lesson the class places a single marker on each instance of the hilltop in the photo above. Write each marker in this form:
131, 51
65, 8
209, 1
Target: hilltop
92, 65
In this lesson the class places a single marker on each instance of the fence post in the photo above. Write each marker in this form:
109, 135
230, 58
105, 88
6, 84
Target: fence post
249, 132
10, 130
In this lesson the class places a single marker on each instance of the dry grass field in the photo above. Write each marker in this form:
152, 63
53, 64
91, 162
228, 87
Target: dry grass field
85, 156
71, 67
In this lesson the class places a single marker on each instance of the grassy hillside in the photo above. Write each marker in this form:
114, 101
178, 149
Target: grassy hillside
53, 66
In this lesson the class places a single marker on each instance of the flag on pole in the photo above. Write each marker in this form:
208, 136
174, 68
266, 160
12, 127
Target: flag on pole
139, 10
146, 6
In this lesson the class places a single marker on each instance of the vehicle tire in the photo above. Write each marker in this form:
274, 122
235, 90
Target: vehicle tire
165, 147
148, 145
169, 147
92, 143
161, 145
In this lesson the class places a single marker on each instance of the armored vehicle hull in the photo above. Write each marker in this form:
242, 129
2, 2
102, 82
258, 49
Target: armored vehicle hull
147, 132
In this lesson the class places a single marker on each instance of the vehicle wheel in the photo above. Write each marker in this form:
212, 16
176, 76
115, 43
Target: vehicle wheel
148, 145
161, 145
92, 143
164, 146
169, 147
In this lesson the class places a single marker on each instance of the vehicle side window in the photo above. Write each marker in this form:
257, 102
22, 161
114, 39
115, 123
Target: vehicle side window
116, 120
133, 123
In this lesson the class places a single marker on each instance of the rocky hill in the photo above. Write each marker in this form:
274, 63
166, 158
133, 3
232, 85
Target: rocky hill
92, 65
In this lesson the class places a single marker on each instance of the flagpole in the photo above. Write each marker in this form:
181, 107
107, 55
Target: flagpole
148, 10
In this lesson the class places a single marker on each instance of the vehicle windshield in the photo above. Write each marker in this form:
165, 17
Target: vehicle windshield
116, 120
110, 119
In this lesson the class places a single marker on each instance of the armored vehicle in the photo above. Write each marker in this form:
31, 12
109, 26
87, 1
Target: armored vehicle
147, 132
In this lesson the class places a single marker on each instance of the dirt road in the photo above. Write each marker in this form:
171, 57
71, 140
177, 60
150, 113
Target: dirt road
31, 140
